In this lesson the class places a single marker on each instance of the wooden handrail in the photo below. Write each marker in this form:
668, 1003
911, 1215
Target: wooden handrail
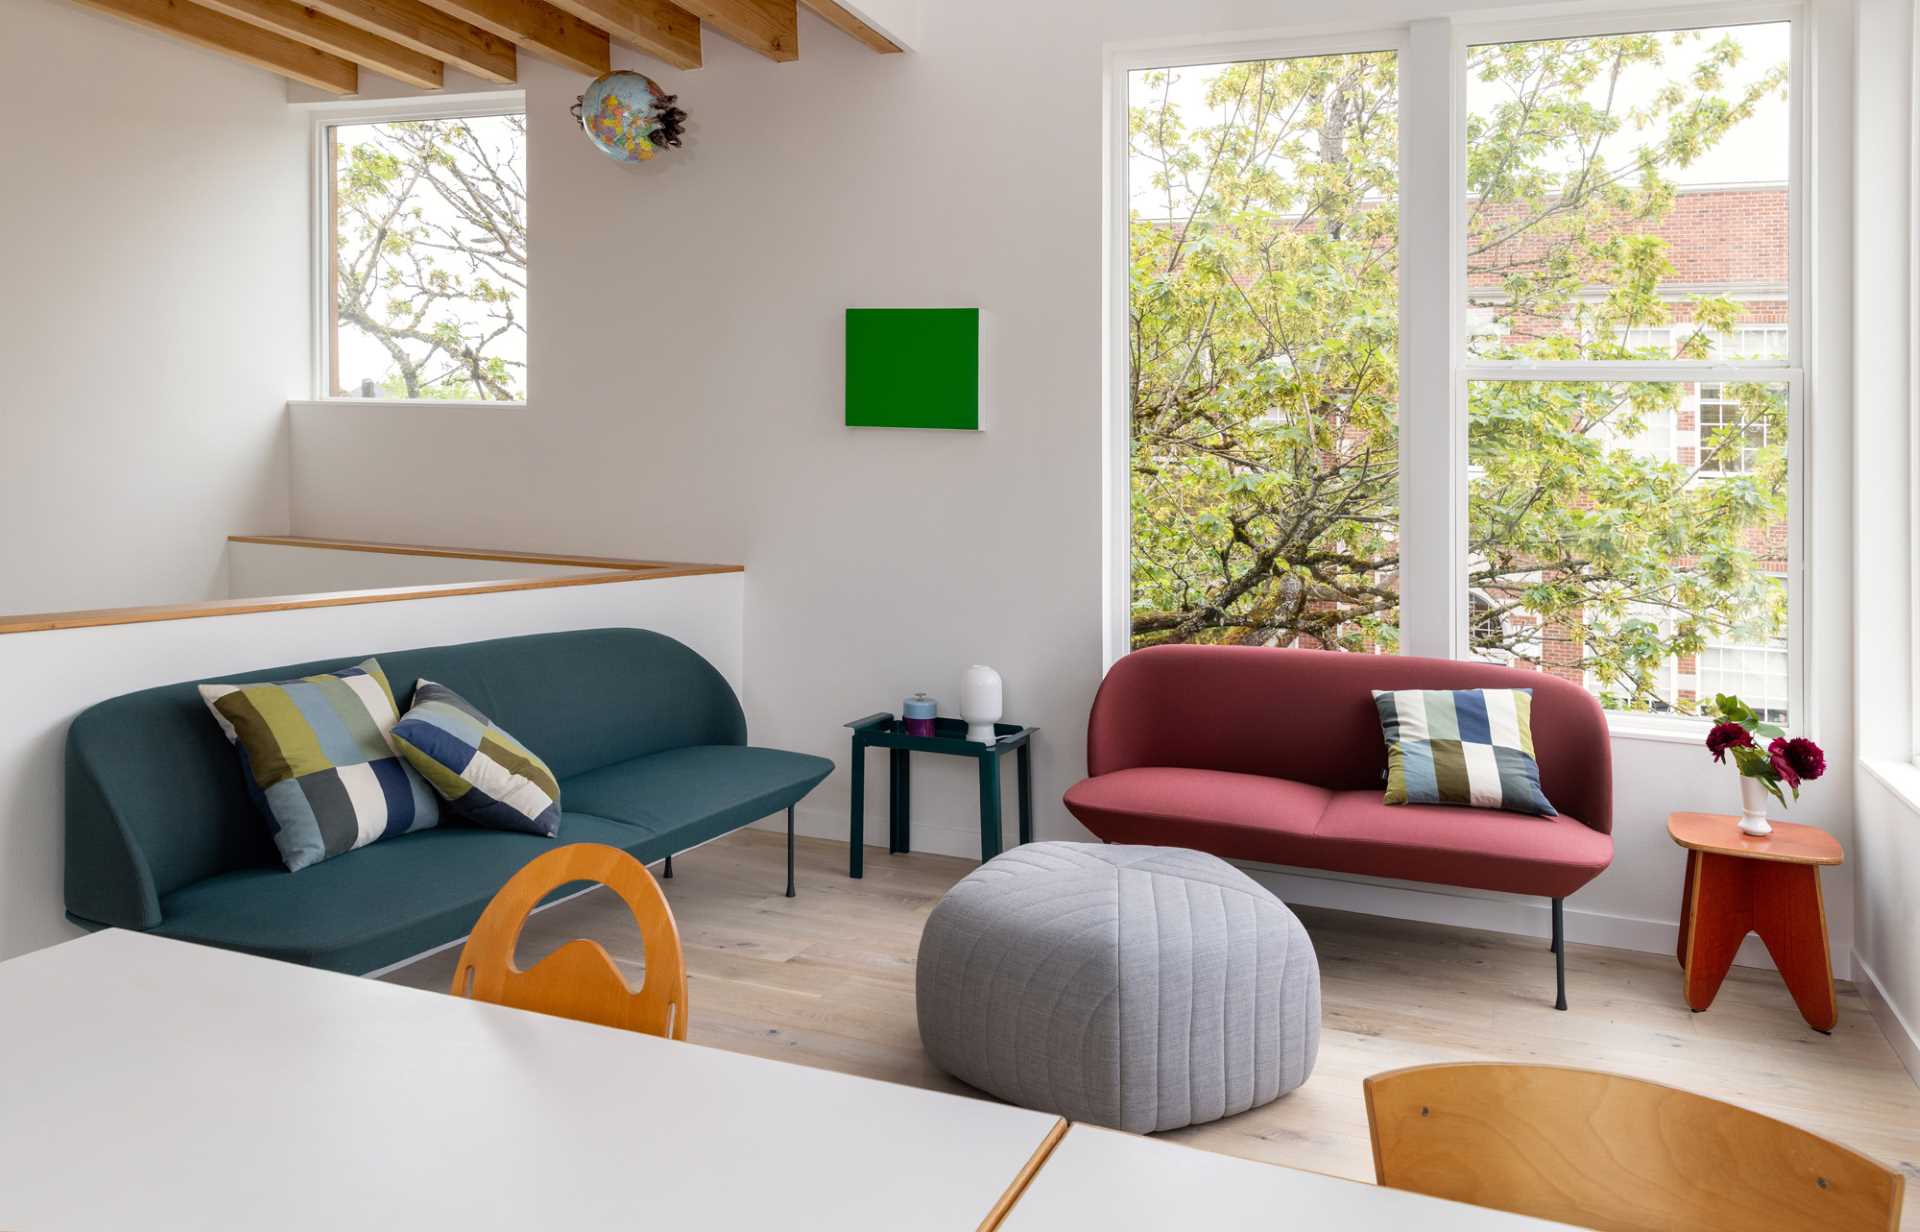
504, 554
45, 621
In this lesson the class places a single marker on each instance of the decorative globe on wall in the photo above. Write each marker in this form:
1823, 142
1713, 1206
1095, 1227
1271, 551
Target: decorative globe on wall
629, 116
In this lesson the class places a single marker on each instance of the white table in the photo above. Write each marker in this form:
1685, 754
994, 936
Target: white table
1113, 1182
152, 1084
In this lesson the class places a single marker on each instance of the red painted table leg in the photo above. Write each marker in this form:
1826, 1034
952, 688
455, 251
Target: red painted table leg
1686, 906
1720, 920
1726, 898
1791, 918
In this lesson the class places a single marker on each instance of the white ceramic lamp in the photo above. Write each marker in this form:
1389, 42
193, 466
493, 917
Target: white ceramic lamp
980, 703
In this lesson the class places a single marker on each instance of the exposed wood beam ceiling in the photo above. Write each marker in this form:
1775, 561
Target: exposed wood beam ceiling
330, 34
325, 43
239, 40
537, 27
429, 31
660, 29
852, 26
769, 27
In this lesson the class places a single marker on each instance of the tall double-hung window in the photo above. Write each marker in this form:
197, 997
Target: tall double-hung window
1625, 325
1628, 224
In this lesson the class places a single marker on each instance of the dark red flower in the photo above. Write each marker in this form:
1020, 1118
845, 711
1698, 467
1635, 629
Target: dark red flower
1782, 760
1805, 757
1726, 736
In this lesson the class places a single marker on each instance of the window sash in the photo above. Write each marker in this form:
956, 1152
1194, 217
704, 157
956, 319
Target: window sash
1435, 367
1795, 578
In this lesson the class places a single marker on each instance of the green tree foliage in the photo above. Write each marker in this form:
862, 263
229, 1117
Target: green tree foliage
1264, 314
431, 253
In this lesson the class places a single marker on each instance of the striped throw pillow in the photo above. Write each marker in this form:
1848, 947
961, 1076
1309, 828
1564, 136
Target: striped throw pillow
319, 762
1462, 746
484, 775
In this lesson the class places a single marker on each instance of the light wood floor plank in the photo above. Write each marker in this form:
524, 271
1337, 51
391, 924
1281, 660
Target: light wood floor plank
826, 980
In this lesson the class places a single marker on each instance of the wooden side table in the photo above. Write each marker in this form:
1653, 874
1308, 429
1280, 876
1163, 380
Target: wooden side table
1736, 885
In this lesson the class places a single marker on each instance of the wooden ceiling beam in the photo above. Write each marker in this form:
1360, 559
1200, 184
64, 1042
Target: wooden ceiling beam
330, 34
540, 28
238, 39
430, 32
656, 27
848, 24
770, 27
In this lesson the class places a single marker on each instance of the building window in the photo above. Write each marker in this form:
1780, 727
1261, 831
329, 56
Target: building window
1758, 675
1263, 309
1627, 224
1646, 341
426, 260
1752, 342
1737, 424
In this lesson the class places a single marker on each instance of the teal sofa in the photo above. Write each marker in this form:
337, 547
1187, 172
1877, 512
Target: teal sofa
647, 739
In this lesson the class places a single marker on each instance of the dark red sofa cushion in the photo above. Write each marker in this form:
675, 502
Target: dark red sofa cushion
1278, 821
1483, 849
1235, 816
1256, 753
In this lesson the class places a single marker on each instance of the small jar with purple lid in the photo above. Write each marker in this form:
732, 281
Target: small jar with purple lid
918, 711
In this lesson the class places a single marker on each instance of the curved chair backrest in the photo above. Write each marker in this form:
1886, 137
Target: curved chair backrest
579, 980
1608, 1152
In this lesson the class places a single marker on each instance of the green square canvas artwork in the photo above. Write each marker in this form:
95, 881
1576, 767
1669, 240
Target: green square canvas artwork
914, 368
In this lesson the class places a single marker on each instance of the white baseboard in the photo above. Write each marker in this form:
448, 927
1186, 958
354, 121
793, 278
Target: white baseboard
1899, 1032
1502, 913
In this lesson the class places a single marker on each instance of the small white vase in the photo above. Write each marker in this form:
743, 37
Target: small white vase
1753, 808
980, 703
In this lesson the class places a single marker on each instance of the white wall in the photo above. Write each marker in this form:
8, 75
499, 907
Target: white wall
52, 676
260, 570
153, 309
1886, 855
686, 329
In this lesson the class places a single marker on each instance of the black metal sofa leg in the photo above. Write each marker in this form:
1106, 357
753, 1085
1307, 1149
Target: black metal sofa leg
1560, 953
790, 851
666, 874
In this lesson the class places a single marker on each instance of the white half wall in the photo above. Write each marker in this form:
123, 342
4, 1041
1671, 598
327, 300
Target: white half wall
153, 309
686, 336
262, 570
52, 676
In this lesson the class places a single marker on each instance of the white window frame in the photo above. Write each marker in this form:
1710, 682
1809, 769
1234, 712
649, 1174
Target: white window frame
1435, 372
1912, 418
325, 118
1117, 424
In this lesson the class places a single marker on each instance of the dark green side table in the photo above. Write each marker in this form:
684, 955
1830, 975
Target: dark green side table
885, 731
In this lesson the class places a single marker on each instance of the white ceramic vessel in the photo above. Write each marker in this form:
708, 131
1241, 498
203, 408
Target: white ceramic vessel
1753, 808
981, 696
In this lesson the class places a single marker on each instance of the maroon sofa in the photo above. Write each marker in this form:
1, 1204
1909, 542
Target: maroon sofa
1276, 756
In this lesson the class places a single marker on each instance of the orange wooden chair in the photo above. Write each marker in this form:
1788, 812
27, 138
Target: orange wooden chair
579, 980
1614, 1153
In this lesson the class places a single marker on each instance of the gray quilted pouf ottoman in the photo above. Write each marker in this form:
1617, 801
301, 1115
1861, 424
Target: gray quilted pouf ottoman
1142, 988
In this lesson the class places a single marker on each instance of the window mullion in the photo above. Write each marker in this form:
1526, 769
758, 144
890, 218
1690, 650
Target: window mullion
1432, 292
